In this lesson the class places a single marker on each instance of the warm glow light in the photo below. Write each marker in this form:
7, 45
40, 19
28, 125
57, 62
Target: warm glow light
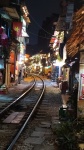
58, 63
83, 12
20, 62
26, 59
56, 40
54, 45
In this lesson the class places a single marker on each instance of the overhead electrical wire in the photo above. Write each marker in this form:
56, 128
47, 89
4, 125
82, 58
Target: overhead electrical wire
39, 25
37, 35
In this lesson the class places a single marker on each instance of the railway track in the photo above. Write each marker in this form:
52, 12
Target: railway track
4, 105
38, 134
15, 117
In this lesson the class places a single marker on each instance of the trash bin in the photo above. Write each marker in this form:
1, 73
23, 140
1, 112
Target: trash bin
63, 113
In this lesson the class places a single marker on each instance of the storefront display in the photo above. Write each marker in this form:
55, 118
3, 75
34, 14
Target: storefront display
81, 77
82, 86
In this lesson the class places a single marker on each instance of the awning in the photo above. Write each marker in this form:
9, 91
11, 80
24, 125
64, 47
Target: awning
76, 38
4, 15
12, 12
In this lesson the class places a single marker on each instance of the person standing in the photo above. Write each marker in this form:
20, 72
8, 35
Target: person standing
12, 77
19, 77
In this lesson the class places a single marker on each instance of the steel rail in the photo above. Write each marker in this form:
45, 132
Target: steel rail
22, 95
27, 120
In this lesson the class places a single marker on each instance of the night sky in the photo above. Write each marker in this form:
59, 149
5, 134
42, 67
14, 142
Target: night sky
39, 10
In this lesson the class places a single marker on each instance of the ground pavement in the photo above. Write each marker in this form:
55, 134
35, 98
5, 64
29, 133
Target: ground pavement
15, 90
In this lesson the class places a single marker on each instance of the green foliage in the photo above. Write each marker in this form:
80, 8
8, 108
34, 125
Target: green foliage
81, 135
66, 136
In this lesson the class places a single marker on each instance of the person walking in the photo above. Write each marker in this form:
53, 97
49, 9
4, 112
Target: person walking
19, 77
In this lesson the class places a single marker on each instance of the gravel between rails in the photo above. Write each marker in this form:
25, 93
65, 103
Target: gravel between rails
53, 100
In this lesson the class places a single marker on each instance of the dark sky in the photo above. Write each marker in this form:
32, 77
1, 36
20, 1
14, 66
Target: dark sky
39, 10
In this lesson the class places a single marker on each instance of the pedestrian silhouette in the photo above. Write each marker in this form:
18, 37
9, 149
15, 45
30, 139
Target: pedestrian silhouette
19, 77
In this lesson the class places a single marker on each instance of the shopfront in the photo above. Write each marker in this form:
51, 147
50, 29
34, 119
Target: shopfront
81, 77
81, 86
1, 66
1, 71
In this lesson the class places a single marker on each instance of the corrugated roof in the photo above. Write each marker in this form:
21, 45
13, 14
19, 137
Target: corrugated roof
12, 12
77, 36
